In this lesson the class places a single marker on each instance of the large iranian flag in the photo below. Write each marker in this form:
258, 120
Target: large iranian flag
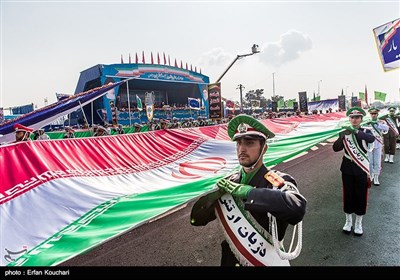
60, 198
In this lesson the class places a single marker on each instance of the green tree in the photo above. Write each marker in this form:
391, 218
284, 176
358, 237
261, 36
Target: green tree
276, 98
255, 95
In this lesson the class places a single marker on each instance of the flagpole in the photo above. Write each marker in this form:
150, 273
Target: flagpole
83, 112
129, 104
92, 112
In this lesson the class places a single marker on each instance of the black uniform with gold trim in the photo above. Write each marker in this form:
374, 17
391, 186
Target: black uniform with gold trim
355, 174
390, 138
287, 206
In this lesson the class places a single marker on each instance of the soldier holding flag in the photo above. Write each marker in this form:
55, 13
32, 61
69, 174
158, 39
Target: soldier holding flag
390, 138
378, 129
271, 200
22, 133
355, 169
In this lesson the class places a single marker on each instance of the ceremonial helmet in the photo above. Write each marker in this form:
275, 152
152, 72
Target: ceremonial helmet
19, 127
247, 126
355, 111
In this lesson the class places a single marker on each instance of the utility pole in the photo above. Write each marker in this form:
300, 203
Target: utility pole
319, 93
273, 84
241, 87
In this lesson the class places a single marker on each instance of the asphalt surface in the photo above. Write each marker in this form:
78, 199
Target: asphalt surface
172, 241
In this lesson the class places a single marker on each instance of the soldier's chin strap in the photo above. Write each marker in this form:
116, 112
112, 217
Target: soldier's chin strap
26, 136
259, 157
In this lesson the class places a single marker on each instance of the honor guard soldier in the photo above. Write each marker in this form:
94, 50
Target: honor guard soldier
389, 138
270, 198
378, 129
355, 168
22, 133
41, 135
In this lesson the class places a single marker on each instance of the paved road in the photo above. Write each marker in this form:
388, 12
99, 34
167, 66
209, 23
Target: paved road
172, 241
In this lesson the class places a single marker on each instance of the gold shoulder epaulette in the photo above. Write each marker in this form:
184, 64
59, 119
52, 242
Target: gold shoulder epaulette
274, 179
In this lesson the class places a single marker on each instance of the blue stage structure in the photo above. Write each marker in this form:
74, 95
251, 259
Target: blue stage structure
171, 86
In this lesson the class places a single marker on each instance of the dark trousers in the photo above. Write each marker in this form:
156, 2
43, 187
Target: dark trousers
227, 257
355, 193
389, 142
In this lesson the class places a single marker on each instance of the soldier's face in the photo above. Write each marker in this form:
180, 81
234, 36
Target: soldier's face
374, 116
19, 135
356, 121
248, 151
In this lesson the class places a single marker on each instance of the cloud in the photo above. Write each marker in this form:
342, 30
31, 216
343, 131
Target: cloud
215, 57
288, 48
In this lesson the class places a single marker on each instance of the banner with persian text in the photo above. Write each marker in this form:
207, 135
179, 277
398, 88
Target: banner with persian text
215, 101
387, 38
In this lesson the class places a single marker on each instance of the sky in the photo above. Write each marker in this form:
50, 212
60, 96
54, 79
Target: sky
304, 45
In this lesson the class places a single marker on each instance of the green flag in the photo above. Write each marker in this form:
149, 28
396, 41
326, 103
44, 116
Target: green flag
380, 96
281, 103
318, 98
361, 95
139, 103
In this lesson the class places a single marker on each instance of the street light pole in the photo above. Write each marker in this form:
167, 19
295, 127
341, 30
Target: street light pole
254, 50
240, 87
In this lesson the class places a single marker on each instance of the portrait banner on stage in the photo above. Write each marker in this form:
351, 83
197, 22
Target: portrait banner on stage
303, 101
342, 102
214, 101
387, 38
149, 101
113, 113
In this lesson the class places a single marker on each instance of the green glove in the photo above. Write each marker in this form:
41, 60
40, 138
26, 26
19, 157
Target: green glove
235, 189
